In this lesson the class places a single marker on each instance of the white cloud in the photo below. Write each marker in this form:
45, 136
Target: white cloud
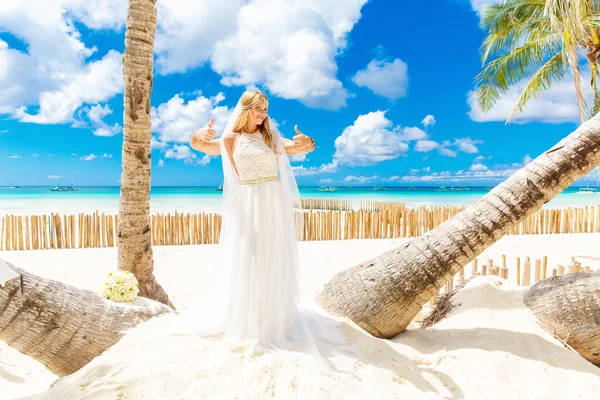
300, 170
288, 47
4, 131
161, 163
326, 181
425, 146
98, 14
395, 178
89, 157
387, 79
445, 151
428, 121
106, 155
52, 72
467, 145
371, 139
35, 155
176, 120
54, 177
413, 133
183, 152
478, 167
188, 30
478, 172
157, 144
14, 156
361, 179
480, 5
298, 157
96, 116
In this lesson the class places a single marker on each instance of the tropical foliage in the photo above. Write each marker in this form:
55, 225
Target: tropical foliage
539, 42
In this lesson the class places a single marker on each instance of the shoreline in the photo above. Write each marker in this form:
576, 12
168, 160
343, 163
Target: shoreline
195, 205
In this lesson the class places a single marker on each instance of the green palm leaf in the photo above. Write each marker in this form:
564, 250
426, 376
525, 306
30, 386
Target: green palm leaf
511, 68
551, 72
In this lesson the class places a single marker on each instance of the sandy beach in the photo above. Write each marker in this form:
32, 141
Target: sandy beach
490, 346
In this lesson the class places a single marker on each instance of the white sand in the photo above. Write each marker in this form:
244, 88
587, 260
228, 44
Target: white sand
489, 347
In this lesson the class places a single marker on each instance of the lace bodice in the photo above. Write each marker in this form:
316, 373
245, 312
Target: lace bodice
253, 158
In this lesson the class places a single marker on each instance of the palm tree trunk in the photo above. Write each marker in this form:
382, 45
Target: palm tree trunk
61, 326
569, 307
134, 240
384, 294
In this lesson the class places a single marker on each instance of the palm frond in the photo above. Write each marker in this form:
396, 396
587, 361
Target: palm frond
510, 23
573, 58
511, 68
551, 72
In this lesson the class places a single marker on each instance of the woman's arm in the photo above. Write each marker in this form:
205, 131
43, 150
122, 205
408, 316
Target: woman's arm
212, 148
202, 140
300, 144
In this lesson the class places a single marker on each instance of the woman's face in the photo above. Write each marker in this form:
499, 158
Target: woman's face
259, 112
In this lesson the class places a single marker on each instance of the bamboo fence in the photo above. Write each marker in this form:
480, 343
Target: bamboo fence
523, 274
378, 221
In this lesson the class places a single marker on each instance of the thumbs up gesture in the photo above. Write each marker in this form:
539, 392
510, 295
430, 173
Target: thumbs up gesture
207, 133
301, 140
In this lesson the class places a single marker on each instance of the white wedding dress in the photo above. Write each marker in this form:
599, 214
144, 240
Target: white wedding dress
253, 299
261, 255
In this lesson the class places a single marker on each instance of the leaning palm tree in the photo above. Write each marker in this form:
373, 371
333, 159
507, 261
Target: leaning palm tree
539, 41
384, 294
134, 239
61, 326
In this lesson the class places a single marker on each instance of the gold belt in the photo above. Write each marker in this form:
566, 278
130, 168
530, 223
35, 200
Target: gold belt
259, 180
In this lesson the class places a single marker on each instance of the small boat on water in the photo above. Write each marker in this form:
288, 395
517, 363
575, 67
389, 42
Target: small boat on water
326, 189
587, 190
60, 188
220, 188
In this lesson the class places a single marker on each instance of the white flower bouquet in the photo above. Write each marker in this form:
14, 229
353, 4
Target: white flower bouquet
120, 286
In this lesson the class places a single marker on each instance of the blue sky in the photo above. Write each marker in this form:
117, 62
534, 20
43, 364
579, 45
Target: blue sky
383, 86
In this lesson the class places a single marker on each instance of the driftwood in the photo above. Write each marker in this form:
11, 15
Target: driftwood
61, 326
568, 306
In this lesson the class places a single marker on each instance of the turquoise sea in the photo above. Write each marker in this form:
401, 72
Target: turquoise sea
40, 200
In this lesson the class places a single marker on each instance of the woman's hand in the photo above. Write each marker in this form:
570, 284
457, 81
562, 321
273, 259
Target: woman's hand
300, 143
202, 140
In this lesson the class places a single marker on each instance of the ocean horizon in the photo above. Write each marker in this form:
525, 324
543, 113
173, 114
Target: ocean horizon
36, 200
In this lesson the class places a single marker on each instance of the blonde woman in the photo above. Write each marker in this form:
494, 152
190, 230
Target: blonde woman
256, 296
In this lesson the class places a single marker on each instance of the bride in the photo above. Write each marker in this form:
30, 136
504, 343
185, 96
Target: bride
256, 296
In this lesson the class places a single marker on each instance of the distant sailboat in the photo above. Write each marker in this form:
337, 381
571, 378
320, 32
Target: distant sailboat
60, 188
326, 189
591, 190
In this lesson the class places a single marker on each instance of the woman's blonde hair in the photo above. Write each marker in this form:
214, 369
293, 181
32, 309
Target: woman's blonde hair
248, 100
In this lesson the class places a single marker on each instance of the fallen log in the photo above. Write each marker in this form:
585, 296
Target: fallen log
62, 326
568, 306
